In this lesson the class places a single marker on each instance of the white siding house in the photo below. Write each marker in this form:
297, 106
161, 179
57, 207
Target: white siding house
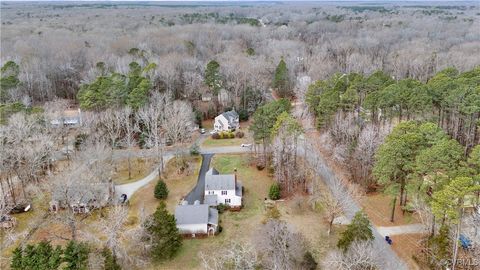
196, 219
226, 121
222, 189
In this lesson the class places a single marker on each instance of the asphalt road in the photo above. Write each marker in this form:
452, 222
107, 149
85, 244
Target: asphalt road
198, 191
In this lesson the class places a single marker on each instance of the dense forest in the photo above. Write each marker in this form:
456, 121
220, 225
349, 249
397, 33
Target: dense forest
392, 91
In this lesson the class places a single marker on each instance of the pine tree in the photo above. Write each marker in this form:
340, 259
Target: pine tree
281, 81
17, 259
274, 192
359, 230
55, 258
76, 256
212, 76
110, 262
161, 190
164, 232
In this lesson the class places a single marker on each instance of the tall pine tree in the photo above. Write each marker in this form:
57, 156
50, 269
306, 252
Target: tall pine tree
164, 232
281, 80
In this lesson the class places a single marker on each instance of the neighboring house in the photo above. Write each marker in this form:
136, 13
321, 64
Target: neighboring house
196, 219
222, 189
82, 198
68, 118
227, 121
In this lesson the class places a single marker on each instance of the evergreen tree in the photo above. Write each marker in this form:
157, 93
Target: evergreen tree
265, 118
76, 256
8, 79
17, 259
161, 190
274, 192
281, 80
164, 232
212, 76
55, 258
110, 262
359, 230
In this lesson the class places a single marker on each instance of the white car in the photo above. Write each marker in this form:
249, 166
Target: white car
246, 145
202, 131
213, 132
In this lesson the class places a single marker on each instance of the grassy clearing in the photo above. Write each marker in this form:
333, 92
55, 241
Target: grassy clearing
140, 167
178, 185
378, 207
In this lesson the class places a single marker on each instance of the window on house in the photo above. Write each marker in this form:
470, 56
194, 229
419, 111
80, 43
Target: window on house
227, 201
211, 192
224, 192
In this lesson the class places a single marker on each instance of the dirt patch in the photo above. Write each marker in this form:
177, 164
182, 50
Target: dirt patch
378, 207
407, 245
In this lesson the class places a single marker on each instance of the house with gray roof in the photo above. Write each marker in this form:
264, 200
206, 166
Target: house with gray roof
227, 121
196, 219
222, 189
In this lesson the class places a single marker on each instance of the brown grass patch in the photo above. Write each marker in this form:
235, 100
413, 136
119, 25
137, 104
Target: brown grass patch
378, 207
407, 245
140, 167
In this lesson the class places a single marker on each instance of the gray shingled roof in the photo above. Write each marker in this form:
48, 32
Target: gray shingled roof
192, 214
230, 116
195, 214
212, 216
211, 200
215, 181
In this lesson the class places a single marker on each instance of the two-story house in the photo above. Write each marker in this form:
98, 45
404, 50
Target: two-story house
222, 189
227, 121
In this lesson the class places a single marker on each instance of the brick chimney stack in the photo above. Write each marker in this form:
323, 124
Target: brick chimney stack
235, 172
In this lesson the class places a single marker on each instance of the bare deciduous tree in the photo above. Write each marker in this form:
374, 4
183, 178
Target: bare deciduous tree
279, 246
235, 256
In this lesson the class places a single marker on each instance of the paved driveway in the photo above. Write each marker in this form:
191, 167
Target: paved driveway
198, 191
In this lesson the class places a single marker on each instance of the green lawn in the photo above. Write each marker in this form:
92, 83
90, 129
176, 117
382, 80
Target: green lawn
224, 142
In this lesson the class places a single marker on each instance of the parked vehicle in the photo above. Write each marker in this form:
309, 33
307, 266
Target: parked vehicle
249, 145
202, 131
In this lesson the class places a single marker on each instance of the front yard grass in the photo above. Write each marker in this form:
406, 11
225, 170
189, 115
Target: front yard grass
209, 142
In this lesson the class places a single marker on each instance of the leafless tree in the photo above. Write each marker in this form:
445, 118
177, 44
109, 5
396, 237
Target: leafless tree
279, 246
151, 118
336, 199
360, 256
235, 256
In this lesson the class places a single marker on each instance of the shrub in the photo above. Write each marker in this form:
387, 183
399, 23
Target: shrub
243, 115
195, 150
216, 136
161, 190
239, 134
274, 192
260, 164
79, 140
222, 207
231, 135
309, 262
271, 213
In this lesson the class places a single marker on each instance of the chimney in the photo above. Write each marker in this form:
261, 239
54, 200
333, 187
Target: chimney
235, 172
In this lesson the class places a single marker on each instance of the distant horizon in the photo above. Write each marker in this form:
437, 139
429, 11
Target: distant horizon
331, 1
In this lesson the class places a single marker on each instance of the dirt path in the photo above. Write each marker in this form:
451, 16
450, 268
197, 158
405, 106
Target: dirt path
404, 229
